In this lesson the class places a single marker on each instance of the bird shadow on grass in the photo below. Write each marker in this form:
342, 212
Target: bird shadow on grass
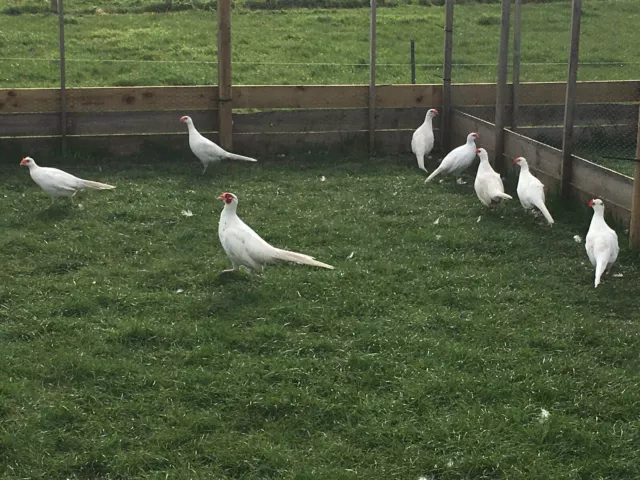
55, 212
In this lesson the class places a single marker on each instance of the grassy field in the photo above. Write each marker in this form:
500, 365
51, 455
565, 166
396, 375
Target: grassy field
429, 352
310, 46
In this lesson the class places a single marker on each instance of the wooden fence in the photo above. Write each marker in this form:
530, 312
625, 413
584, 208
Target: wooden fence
274, 118
277, 118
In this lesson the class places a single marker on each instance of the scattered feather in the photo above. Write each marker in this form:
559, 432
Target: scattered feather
351, 255
438, 237
577, 238
80, 206
618, 275
437, 221
180, 290
186, 213
544, 415
322, 178
479, 218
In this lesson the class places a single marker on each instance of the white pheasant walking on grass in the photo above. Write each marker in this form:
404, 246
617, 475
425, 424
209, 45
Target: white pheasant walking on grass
244, 247
207, 151
457, 160
601, 242
422, 139
531, 190
488, 184
57, 183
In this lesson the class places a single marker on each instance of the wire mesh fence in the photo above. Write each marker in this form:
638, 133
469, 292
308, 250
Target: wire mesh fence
107, 48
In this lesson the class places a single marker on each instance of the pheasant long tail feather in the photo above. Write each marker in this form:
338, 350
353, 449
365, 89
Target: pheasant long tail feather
504, 196
233, 156
97, 185
295, 257
543, 208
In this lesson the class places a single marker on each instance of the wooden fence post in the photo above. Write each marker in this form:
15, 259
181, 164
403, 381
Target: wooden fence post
445, 134
516, 65
569, 102
225, 107
54, 6
63, 80
372, 79
501, 90
634, 228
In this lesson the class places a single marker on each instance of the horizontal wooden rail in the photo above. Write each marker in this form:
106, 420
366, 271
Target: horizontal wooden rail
182, 98
276, 121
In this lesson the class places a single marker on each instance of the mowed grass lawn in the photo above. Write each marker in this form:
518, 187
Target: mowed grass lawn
429, 352
308, 46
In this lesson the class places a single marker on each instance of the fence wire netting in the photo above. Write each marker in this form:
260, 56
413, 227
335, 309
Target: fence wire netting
174, 42
604, 133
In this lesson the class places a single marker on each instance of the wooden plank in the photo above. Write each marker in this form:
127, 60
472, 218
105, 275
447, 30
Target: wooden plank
63, 79
463, 124
540, 156
634, 231
31, 100
256, 144
601, 182
117, 123
549, 93
553, 115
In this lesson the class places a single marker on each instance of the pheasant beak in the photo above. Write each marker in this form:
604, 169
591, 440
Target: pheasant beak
222, 196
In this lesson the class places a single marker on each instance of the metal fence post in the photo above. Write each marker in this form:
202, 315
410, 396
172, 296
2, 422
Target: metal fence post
413, 62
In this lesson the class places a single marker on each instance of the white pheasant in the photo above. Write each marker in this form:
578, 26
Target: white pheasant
207, 151
457, 160
601, 242
531, 190
422, 139
244, 247
57, 183
488, 184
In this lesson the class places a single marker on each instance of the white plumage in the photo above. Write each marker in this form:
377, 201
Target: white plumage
207, 151
531, 190
488, 184
602, 242
244, 247
457, 160
422, 139
57, 183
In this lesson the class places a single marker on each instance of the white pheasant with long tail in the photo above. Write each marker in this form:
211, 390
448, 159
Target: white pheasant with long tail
457, 160
207, 151
57, 183
422, 140
601, 242
531, 190
488, 184
244, 247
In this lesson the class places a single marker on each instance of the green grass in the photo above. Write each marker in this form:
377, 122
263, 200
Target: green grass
310, 46
430, 350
